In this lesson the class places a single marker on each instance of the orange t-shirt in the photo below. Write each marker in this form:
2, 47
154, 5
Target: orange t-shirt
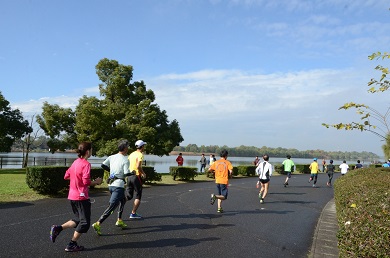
221, 168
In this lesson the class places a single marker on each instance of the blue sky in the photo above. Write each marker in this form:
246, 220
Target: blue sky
232, 72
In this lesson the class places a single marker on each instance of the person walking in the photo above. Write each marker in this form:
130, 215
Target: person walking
358, 165
256, 161
180, 160
203, 162
314, 172
222, 169
323, 165
135, 180
79, 174
264, 170
118, 166
330, 171
288, 167
212, 159
344, 168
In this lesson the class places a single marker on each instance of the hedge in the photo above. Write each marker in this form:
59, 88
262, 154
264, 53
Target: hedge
362, 200
184, 173
50, 179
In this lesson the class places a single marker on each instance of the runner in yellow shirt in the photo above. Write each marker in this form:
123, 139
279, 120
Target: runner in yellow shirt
314, 171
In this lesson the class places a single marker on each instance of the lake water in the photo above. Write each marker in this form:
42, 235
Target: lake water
160, 164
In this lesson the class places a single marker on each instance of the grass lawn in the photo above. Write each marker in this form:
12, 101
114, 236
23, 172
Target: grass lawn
14, 188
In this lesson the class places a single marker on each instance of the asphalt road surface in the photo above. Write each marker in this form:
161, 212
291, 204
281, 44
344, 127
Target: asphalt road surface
178, 221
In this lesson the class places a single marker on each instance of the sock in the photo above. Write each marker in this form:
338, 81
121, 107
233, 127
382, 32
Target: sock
72, 243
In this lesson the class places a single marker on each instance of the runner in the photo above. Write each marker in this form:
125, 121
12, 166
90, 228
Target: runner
264, 170
314, 171
79, 175
118, 166
134, 181
222, 169
288, 166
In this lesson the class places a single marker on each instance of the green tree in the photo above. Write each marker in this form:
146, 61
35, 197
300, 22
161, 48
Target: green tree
30, 141
12, 125
126, 110
58, 123
372, 120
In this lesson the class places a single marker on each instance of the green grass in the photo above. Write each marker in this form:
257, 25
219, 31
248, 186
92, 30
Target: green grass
14, 188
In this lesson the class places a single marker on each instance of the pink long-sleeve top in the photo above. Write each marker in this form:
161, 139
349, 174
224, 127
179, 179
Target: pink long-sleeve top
79, 175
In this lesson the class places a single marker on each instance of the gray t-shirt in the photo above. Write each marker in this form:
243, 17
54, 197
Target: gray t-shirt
119, 166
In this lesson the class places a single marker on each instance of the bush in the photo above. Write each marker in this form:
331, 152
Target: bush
151, 175
363, 211
185, 173
246, 170
303, 169
50, 179
46, 179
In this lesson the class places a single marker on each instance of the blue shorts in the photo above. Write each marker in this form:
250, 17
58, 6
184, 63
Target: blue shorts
222, 190
117, 194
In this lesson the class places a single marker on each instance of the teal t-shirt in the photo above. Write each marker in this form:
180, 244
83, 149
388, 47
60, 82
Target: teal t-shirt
288, 164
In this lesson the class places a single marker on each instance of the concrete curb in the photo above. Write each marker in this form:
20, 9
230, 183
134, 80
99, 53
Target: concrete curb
325, 234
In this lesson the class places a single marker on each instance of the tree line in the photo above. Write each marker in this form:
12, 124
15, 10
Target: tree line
252, 151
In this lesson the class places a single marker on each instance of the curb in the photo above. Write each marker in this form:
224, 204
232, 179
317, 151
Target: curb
325, 235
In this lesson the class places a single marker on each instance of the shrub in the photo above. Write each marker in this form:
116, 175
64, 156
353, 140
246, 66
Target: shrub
151, 175
50, 179
46, 179
184, 173
363, 211
246, 170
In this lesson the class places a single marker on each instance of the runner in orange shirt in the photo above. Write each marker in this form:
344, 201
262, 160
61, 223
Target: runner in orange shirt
222, 169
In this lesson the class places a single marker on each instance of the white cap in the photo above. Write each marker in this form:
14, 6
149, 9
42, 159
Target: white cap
139, 143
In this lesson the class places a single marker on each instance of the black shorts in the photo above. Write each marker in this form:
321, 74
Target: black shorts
134, 183
264, 181
82, 212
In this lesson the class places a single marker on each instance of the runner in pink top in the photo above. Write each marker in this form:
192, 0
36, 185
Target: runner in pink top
80, 179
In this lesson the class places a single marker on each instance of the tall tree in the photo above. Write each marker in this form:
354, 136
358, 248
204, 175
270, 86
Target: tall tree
12, 125
372, 120
30, 141
126, 110
58, 123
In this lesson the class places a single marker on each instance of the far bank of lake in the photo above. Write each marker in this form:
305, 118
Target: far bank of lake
160, 164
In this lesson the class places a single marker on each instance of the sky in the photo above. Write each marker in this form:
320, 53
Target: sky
231, 72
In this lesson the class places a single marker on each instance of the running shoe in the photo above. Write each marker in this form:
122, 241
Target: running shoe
220, 210
120, 224
54, 232
135, 216
96, 227
261, 200
213, 198
314, 186
74, 248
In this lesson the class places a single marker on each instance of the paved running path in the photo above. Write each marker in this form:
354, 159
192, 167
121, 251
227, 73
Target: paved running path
179, 222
